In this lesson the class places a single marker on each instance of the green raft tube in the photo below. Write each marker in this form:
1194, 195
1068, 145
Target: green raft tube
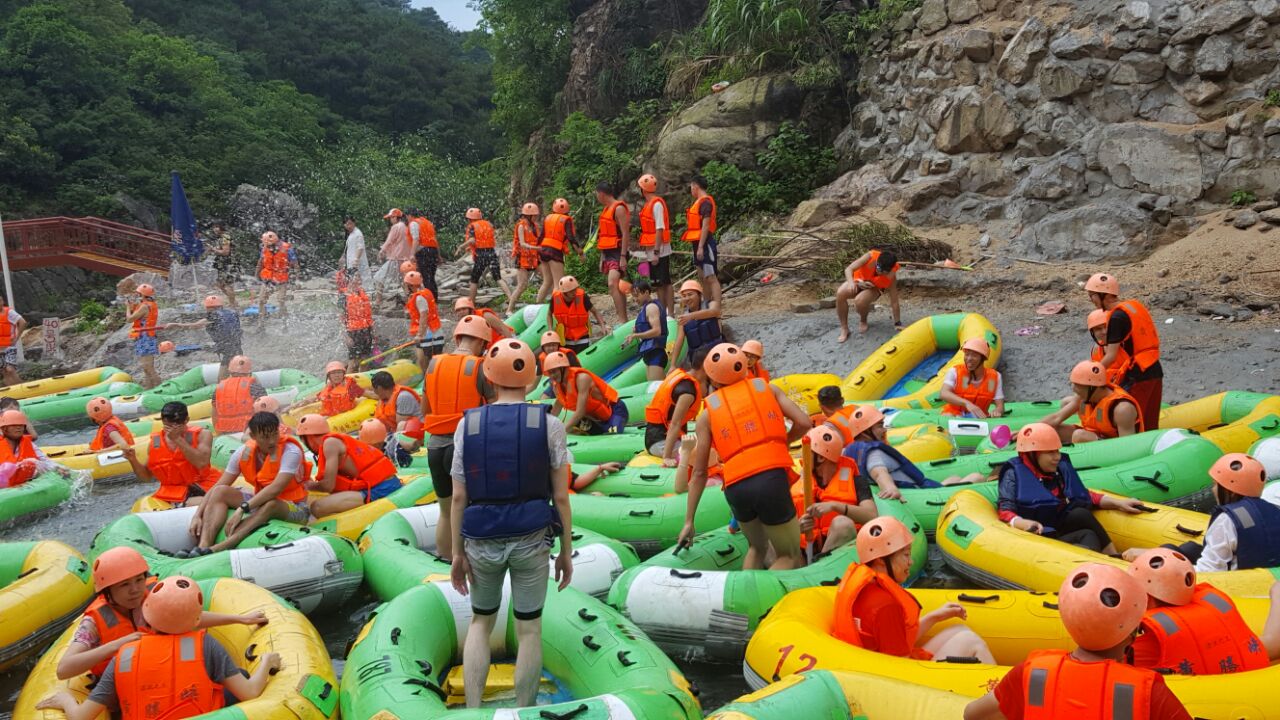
71, 404
596, 664
399, 553
529, 322
648, 524
310, 569
700, 604
617, 365
42, 492
198, 383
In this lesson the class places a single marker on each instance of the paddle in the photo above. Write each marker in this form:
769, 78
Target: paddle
806, 467
385, 353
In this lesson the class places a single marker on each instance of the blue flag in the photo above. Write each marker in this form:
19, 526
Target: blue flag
185, 242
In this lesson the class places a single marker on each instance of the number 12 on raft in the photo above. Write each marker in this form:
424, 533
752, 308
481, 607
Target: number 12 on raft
810, 662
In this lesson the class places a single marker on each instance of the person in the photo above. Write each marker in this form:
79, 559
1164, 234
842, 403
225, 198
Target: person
143, 316
841, 493
352, 472
830, 403
549, 343
593, 405
866, 279
341, 393
558, 238
452, 385
19, 448
396, 403
11, 326
525, 245
113, 619
675, 404
357, 316
613, 238
394, 251
224, 264
654, 243
1195, 629
571, 309
355, 255
699, 323
178, 458
874, 612
700, 229
276, 470
1133, 343
465, 306
268, 404
426, 256
754, 352
174, 671
479, 238
233, 397
273, 271
744, 423
889, 469
650, 329
424, 320
1244, 528
1097, 323
224, 330
971, 389
1104, 409
1040, 492
502, 527
112, 433
1101, 607
9, 403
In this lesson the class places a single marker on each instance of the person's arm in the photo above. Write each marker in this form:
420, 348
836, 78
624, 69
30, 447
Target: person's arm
199, 454
210, 619
560, 498
80, 658
424, 307
1119, 326
1125, 416
948, 392
1220, 542
460, 568
984, 708
1271, 630
712, 310
1069, 406
495, 324
66, 702
622, 218
584, 393
800, 422
894, 303
584, 480
676, 346
943, 613
999, 399
21, 326
856, 265
136, 314
600, 323
332, 450
676, 428
248, 688
697, 479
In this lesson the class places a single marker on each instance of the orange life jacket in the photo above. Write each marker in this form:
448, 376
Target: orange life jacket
663, 404
482, 231
174, 471
759, 371
1057, 686
260, 476
494, 335
145, 325
165, 671
1099, 418
386, 410
518, 250
102, 438
839, 421
451, 387
359, 310
1206, 636
274, 263
1117, 371
600, 399
748, 429
555, 232
650, 235
233, 402
6, 327
26, 450
868, 273
363, 467
111, 623
609, 235
426, 232
1142, 333
861, 596
415, 315
981, 393
841, 489
693, 219
340, 398
575, 317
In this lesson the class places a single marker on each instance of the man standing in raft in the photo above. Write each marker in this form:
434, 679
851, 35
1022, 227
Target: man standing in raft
1133, 342
571, 309
866, 279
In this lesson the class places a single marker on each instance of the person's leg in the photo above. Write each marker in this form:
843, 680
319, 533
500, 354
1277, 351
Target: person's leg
528, 660
11, 375
1148, 394
439, 461
475, 658
863, 302
213, 512
522, 282
844, 295
618, 420
841, 532
274, 510
282, 294
1080, 435
148, 363
785, 541
423, 360
529, 562
1085, 530
959, 641
656, 370
619, 300
336, 503
544, 290
757, 544
557, 272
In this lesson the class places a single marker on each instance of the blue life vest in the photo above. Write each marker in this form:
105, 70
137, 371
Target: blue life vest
1033, 499
642, 326
508, 470
860, 450
1257, 532
703, 333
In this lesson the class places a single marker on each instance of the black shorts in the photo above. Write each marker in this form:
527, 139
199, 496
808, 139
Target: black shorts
427, 259
361, 343
551, 255
765, 497
660, 272
654, 357
709, 265
486, 259
440, 461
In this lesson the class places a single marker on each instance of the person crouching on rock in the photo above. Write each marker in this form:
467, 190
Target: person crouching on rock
866, 279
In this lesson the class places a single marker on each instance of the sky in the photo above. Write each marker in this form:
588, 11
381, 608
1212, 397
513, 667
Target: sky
454, 12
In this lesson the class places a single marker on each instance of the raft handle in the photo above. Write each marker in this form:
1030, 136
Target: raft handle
1188, 531
685, 576
590, 642
1049, 605
958, 531
726, 552
395, 636
26, 573
551, 715
980, 599
624, 659
960, 660
271, 534
641, 513
586, 615
403, 541
428, 685
270, 548
935, 503
650, 477
1147, 509
1154, 480
249, 653
832, 582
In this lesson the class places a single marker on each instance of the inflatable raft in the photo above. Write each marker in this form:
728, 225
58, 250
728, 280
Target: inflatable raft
64, 383
617, 365
46, 490
647, 524
700, 603
596, 664
843, 696
311, 570
305, 687
978, 546
529, 322
405, 372
110, 465
43, 586
198, 384
61, 406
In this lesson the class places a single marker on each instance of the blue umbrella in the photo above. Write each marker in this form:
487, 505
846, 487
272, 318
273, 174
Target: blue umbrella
185, 242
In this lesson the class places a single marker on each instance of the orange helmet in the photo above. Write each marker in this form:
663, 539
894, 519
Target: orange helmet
9, 418
882, 537
313, 424
407, 267
977, 345
373, 432
1097, 319
690, 286
472, 326
413, 279
753, 347
560, 205
1089, 373
464, 303
648, 183
393, 213
725, 364
270, 238
826, 442
146, 290
1038, 437
624, 286
335, 366
115, 565
568, 284
166, 346
212, 301
266, 403
1236, 472
863, 418
98, 409
1101, 605
1167, 575
548, 337
554, 361
174, 605
474, 214
510, 364
1103, 283
240, 364
530, 209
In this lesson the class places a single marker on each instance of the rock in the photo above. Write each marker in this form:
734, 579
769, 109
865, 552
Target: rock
1246, 219
1271, 127
1220, 17
1024, 51
935, 166
1078, 44
976, 44
1135, 14
933, 16
922, 193
1059, 178
984, 242
1215, 140
1163, 273
868, 186
814, 212
959, 11
1060, 80
1104, 229
1216, 309
1265, 205
1199, 92
1180, 59
1150, 159
1264, 228
1268, 10
977, 123
802, 307
1271, 217
827, 303
255, 209
1225, 279
1213, 59
1137, 68
1242, 314
1172, 298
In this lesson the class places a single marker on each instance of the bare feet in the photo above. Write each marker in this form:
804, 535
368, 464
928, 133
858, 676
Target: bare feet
862, 328
844, 335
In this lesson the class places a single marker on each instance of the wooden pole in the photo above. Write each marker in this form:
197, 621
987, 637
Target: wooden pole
806, 467
384, 353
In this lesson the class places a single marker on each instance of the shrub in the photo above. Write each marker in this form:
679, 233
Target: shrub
792, 164
92, 310
1243, 197
1272, 99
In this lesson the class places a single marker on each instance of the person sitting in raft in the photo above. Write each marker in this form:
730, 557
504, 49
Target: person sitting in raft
650, 330
873, 611
396, 403
841, 495
866, 278
1041, 493
1097, 324
1101, 607
175, 671
871, 451
593, 404
177, 458
233, 398
745, 423
353, 472
1104, 409
112, 433
754, 350
465, 306
830, 402
1195, 629
17, 448
341, 393
121, 579
581, 483
572, 310
551, 343
674, 405
8, 403
276, 469
699, 323
971, 389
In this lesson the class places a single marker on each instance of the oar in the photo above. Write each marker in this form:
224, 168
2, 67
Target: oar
384, 353
806, 467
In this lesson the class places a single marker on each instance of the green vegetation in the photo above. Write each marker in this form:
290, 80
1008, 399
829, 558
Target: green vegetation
1241, 197
91, 316
792, 165
530, 42
1272, 99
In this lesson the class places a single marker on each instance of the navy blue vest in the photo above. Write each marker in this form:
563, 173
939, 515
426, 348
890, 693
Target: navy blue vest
703, 333
860, 450
508, 469
642, 325
1033, 499
1257, 532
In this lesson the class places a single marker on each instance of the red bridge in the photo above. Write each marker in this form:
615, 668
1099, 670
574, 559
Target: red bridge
90, 243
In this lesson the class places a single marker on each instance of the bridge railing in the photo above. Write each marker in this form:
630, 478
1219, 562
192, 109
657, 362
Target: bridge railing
32, 241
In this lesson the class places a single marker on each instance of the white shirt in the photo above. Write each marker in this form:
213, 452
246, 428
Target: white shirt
950, 379
1220, 540
357, 256
290, 459
660, 223
557, 446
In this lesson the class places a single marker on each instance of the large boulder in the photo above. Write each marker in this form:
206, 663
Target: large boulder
1150, 159
1024, 51
1217, 18
256, 209
1105, 229
868, 186
977, 122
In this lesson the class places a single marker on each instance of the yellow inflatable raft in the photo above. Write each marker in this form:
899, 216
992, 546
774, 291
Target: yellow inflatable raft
977, 545
107, 465
305, 688
405, 372
43, 586
63, 383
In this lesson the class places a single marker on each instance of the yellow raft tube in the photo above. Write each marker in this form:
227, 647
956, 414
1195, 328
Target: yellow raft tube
43, 586
405, 372
305, 688
63, 383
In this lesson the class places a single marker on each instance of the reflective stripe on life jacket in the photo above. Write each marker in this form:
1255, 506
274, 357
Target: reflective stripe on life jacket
642, 325
748, 430
650, 235
233, 403
102, 438
1058, 687
340, 398
508, 469
274, 263
555, 232
843, 488
860, 451
1100, 418
981, 393
609, 235
174, 471
482, 231
1257, 532
659, 410
1142, 335
861, 597
145, 325
574, 316
26, 450
1036, 502
359, 310
363, 466
111, 623
260, 476
693, 219
868, 272
452, 388
386, 410
600, 398
163, 677
1206, 636
415, 315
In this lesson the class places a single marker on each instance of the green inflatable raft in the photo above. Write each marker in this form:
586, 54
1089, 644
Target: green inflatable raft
699, 603
71, 404
42, 492
617, 365
529, 322
647, 524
